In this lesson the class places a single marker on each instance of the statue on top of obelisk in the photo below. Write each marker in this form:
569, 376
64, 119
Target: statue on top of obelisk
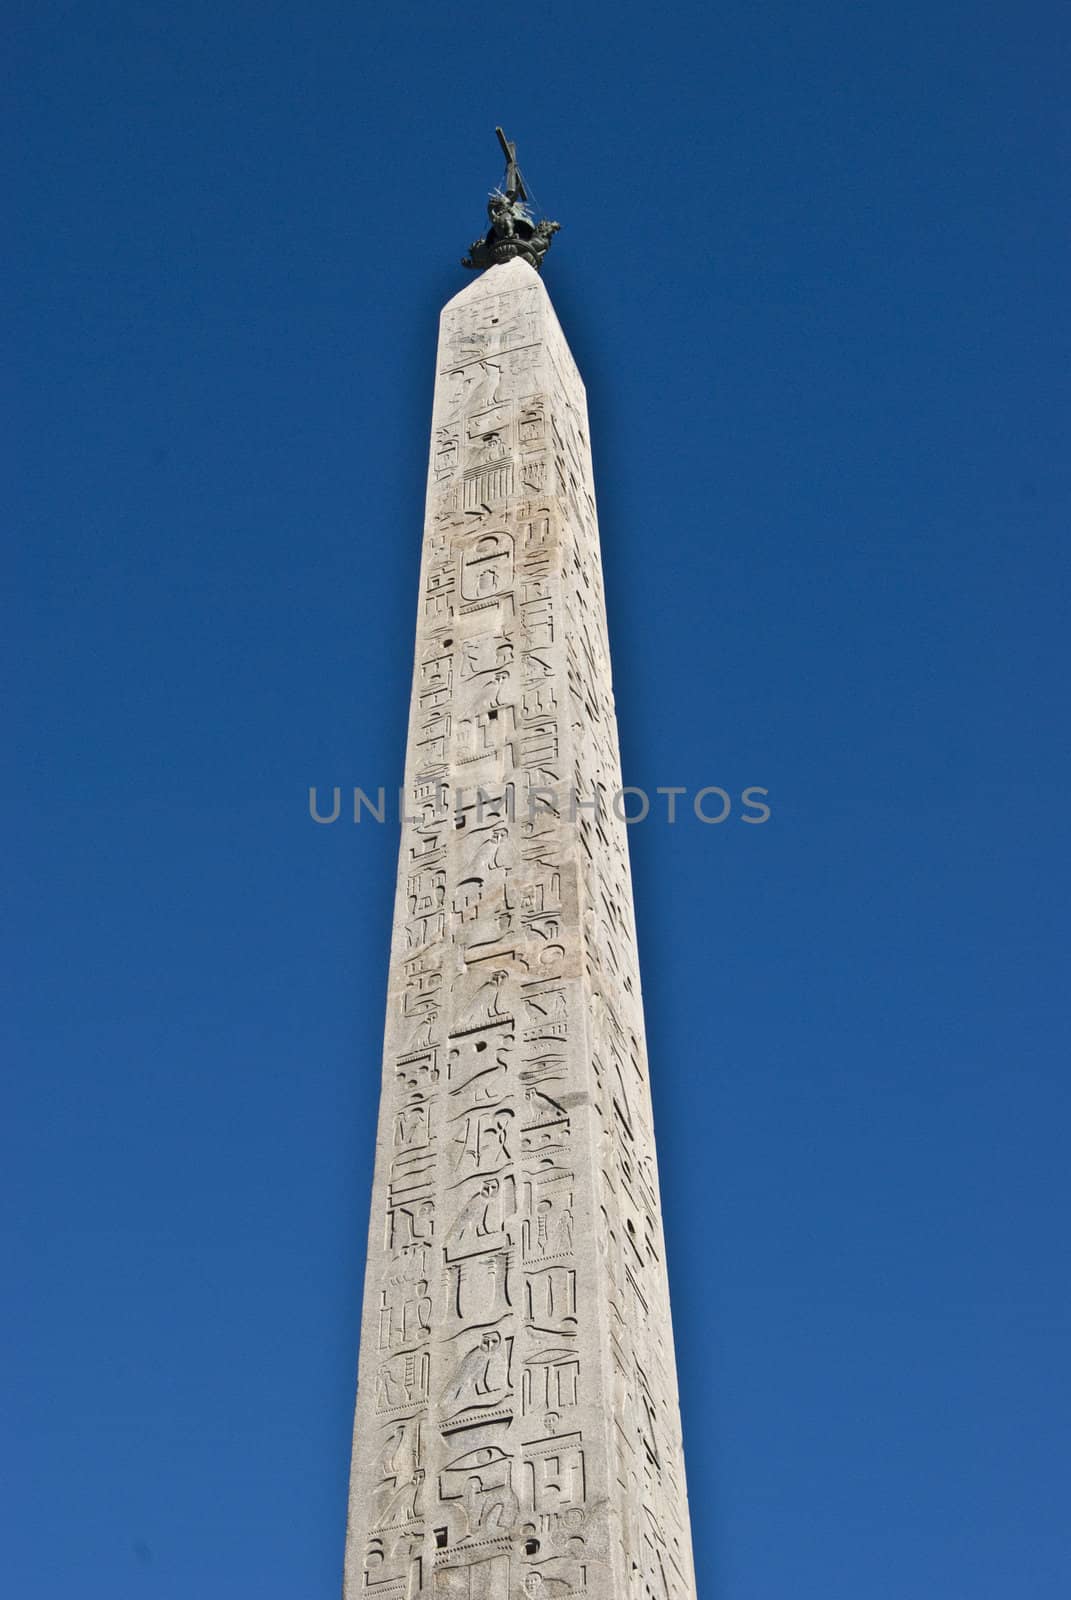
513, 232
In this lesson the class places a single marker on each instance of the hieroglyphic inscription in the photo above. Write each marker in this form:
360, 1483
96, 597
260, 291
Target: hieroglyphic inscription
517, 1430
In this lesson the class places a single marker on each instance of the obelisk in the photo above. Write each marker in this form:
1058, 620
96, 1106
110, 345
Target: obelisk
517, 1430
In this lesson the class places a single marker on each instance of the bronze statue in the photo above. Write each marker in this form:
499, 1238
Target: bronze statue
513, 232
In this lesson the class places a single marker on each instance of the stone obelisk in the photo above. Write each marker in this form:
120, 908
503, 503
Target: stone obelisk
517, 1431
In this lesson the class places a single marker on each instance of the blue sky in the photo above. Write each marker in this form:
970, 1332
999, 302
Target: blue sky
813, 268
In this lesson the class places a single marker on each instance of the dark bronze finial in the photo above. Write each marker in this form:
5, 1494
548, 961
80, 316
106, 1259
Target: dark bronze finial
512, 231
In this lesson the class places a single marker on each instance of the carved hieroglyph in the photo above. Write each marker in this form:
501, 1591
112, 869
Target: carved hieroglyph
517, 1432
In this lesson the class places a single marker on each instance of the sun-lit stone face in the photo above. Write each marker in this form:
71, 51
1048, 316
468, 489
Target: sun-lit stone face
517, 1429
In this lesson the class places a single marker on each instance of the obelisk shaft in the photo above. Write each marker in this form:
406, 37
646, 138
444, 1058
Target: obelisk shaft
517, 1431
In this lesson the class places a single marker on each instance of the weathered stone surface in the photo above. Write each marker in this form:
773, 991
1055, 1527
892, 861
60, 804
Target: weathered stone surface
517, 1431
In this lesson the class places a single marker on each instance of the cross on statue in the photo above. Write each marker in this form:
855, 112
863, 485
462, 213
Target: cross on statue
514, 186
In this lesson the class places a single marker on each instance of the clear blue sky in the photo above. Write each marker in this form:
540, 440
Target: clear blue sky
814, 270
